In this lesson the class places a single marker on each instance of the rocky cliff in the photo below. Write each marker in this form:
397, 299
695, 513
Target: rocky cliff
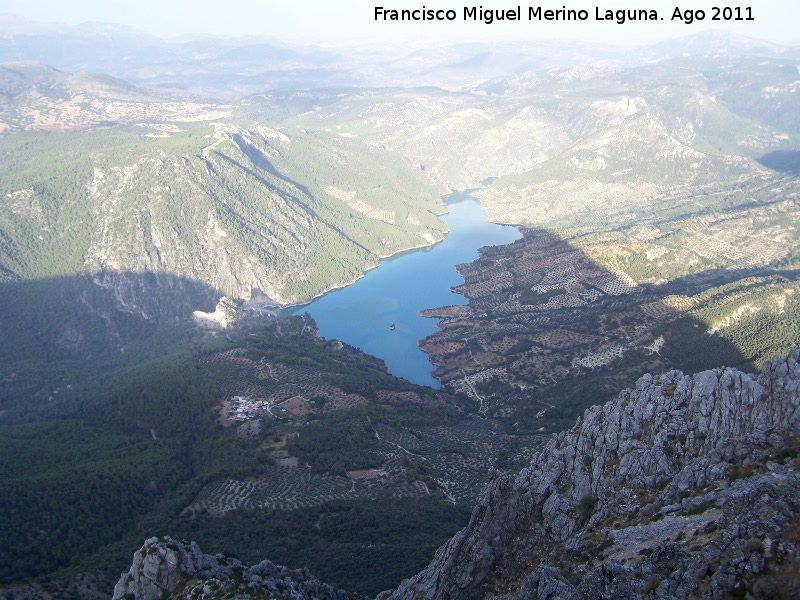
164, 568
684, 487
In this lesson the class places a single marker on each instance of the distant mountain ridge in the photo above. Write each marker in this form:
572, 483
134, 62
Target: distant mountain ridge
229, 68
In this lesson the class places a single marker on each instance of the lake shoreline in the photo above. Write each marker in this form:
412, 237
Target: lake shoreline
340, 286
362, 313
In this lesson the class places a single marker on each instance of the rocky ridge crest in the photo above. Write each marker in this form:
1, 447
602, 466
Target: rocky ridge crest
164, 568
684, 487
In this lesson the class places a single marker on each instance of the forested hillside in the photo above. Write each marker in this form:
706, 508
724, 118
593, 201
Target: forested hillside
227, 205
131, 444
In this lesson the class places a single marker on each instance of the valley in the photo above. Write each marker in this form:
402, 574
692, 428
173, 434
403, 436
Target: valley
157, 232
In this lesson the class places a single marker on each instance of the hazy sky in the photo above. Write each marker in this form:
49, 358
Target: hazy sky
336, 22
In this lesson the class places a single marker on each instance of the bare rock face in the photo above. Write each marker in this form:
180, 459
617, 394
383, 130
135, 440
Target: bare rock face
684, 487
166, 569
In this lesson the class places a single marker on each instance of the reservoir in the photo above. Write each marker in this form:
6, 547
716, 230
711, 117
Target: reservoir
363, 313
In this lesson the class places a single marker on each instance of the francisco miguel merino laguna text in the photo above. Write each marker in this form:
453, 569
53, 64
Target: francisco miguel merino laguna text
537, 13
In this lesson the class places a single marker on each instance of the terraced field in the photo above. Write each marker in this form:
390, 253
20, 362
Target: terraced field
543, 313
450, 460
423, 441
289, 387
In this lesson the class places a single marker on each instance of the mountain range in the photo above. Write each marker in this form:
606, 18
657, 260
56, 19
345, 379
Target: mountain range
162, 202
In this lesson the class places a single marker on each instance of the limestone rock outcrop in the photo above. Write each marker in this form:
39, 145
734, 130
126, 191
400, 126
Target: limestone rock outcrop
684, 487
165, 569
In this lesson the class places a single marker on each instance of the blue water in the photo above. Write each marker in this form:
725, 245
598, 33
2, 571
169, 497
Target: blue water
393, 293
